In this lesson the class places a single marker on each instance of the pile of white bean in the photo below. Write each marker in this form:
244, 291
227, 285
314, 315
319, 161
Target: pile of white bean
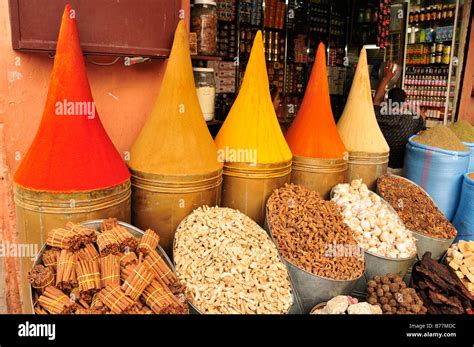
376, 227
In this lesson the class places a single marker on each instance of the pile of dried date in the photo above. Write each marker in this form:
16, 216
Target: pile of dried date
416, 209
440, 290
311, 234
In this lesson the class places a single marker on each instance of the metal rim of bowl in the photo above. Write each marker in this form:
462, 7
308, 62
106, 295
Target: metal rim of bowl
294, 297
95, 221
399, 219
429, 197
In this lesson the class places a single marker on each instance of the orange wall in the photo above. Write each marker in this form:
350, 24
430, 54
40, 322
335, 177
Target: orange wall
123, 95
466, 107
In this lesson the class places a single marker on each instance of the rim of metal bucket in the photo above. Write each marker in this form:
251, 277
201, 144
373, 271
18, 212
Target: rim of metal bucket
399, 219
429, 197
269, 231
296, 300
93, 224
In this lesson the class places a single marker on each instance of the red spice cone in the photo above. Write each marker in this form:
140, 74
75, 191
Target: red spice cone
71, 150
313, 133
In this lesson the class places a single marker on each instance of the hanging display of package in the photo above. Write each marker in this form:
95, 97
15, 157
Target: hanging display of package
72, 171
368, 150
174, 162
256, 157
464, 219
319, 155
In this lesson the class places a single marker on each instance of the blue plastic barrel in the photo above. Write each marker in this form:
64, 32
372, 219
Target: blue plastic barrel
464, 219
439, 172
471, 160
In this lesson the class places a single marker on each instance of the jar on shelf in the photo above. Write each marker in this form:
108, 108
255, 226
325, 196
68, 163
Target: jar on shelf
204, 24
206, 91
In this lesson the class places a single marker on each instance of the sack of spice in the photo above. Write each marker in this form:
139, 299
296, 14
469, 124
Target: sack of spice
436, 160
464, 219
465, 132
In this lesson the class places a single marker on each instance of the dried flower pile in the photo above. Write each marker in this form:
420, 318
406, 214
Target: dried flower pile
415, 207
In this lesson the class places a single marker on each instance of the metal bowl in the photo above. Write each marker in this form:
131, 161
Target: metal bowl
426, 243
312, 289
378, 265
296, 308
95, 224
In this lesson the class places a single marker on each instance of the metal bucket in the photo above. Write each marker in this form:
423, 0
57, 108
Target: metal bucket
368, 166
161, 202
95, 224
319, 175
425, 243
37, 212
312, 289
377, 265
247, 187
296, 308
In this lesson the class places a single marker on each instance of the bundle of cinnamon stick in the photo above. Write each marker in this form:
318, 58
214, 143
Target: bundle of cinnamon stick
84, 273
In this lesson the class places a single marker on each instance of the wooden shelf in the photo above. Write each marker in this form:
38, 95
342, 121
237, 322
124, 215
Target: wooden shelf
206, 57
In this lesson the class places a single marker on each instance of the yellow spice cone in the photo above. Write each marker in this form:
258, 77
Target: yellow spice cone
252, 123
175, 139
358, 126
257, 157
174, 162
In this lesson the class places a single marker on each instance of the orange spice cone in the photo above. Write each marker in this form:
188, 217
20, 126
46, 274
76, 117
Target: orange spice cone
313, 133
72, 171
368, 150
318, 150
250, 142
174, 159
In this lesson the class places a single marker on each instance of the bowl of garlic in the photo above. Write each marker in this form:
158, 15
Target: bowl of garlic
389, 247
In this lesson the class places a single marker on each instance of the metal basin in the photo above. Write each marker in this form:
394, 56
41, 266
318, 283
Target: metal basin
310, 288
95, 224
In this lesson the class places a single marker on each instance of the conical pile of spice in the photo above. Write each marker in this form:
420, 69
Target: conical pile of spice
360, 132
174, 159
358, 126
463, 130
72, 171
318, 150
442, 137
313, 133
256, 157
